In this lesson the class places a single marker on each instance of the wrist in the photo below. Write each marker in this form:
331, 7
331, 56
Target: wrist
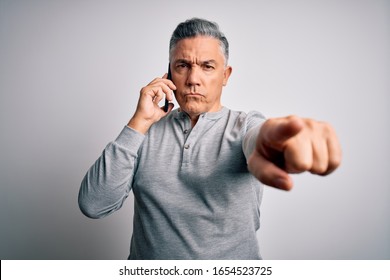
139, 124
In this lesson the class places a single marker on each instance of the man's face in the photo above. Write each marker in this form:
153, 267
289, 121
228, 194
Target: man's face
199, 73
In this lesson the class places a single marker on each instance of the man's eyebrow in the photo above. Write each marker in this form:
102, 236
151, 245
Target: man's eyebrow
202, 62
210, 61
182, 60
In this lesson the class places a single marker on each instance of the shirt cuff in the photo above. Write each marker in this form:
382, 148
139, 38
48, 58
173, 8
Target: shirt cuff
249, 143
130, 138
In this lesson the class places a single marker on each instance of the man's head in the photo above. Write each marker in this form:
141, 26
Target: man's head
199, 27
198, 56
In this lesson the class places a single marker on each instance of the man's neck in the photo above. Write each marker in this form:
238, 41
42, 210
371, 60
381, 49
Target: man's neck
195, 117
194, 120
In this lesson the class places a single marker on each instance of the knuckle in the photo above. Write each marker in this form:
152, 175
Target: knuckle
312, 124
334, 161
320, 168
143, 89
298, 166
292, 117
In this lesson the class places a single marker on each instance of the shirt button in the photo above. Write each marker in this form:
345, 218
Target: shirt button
186, 131
187, 146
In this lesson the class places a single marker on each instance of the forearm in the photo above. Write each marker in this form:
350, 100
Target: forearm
108, 182
139, 124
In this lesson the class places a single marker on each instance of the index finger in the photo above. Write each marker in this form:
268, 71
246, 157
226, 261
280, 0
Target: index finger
275, 132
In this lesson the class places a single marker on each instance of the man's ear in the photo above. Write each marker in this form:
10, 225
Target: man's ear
226, 74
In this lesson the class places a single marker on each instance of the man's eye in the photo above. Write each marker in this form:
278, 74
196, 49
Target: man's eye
208, 67
182, 65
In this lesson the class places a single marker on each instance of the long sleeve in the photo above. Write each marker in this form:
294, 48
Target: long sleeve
255, 122
108, 181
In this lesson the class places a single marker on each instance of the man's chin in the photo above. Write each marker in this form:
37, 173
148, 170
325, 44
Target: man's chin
192, 108
192, 111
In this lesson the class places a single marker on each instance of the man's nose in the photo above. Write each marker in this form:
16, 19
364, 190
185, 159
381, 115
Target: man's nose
193, 78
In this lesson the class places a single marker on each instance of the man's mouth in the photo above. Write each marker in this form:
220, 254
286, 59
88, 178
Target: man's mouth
193, 94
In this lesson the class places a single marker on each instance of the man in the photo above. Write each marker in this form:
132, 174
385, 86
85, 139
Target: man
196, 171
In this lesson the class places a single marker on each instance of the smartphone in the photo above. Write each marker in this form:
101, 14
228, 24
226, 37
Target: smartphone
169, 77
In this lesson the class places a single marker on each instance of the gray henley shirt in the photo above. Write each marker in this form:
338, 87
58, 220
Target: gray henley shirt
194, 196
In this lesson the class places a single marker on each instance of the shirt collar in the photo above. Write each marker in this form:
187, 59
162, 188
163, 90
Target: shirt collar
178, 114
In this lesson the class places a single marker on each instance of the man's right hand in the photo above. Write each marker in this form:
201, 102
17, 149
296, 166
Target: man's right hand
148, 112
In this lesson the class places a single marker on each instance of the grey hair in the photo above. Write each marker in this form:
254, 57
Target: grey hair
199, 27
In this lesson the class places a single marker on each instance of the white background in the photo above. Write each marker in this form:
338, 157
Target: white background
70, 74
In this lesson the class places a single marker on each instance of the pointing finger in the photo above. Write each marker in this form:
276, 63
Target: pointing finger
276, 132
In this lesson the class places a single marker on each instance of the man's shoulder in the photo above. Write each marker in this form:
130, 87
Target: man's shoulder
248, 117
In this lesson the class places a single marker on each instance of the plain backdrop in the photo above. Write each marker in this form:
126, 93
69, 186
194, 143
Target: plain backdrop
70, 75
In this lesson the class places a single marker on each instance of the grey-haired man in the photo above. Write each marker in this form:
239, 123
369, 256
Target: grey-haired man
197, 172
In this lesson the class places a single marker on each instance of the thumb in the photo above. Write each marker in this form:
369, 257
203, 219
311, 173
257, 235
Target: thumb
276, 132
269, 173
170, 108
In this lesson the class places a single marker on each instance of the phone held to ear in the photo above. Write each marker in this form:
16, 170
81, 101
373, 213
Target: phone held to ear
169, 77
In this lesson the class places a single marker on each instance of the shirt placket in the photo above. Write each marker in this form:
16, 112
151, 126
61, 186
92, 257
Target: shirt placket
190, 136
